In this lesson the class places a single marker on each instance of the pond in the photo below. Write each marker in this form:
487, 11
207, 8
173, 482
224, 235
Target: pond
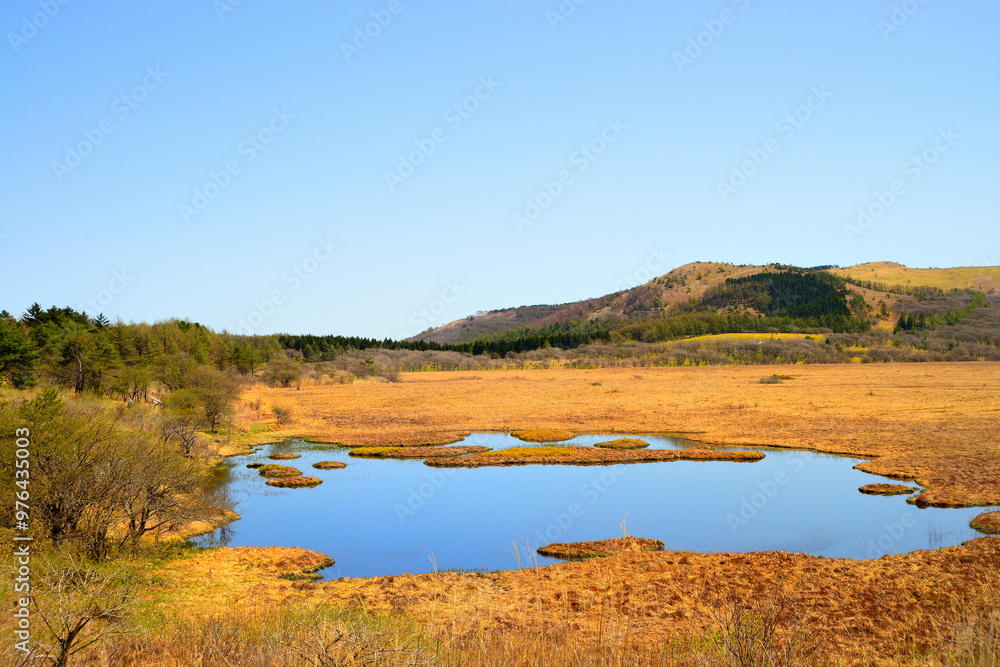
381, 517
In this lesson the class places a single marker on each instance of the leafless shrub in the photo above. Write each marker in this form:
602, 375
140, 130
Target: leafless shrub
80, 604
282, 414
762, 632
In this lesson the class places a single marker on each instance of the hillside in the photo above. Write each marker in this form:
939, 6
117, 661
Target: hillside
688, 284
677, 287
982, 278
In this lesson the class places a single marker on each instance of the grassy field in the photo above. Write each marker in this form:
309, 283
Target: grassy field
236, 606
758, 336
932, 423
935, 423
982, 278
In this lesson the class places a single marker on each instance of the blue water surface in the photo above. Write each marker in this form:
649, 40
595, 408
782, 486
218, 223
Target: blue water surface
382, 517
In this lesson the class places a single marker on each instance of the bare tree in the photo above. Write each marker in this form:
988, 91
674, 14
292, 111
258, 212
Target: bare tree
79, 604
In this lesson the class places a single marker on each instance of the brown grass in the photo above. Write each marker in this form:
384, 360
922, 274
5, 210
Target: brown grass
274, 471
295, 482
623, 443
933, 423
416, 438
637, 607
987, 522
285, 456
599, 549
329, 465
883, 489
582, 456
416, 452
543, 435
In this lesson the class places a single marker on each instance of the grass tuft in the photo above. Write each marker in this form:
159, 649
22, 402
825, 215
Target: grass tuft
295, 482
543, 435
987, 522
329, 465
883, 489
623, 443
274, 471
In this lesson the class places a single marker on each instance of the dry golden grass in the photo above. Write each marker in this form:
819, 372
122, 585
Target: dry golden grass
211, 580
299, 482
933, 423
572, 455
286, 456
599, 549
329, 465
882, 489
542, 435
629, 606
987, 522
884, 607
623, 443
982, 278
416, 452
274, 471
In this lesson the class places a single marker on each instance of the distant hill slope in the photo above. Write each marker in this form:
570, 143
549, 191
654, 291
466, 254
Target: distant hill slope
982, 278
674, 288
691, 282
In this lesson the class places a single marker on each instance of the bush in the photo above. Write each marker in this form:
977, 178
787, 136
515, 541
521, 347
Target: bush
771, 379
282, 414
99, 479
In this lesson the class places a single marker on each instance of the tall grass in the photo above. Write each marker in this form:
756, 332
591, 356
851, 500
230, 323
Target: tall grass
762, 631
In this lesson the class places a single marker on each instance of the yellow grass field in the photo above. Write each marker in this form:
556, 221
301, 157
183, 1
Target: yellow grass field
933, 423
889, 612
757, 336
982, 278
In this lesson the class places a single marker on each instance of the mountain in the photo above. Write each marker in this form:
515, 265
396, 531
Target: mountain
686, 288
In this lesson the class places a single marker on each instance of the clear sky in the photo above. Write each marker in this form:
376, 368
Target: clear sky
269, 166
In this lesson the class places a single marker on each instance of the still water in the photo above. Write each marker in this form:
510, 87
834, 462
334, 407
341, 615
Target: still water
381, 517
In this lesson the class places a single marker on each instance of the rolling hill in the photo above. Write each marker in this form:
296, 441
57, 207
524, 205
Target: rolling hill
687, 286
677, 287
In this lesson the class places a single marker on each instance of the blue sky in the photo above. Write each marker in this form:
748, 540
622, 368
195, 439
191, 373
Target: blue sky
269, 167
